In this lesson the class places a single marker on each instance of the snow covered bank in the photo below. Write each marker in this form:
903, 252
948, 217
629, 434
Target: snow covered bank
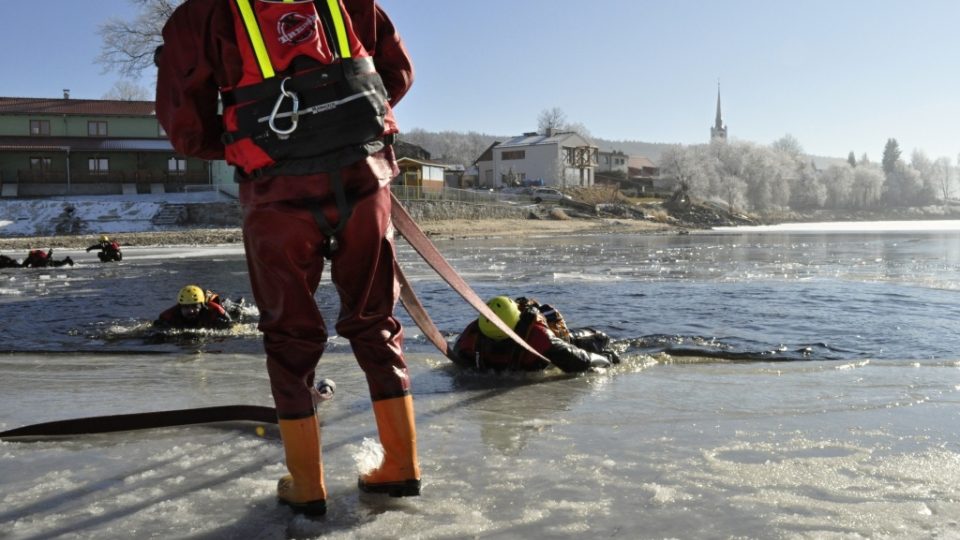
90, 214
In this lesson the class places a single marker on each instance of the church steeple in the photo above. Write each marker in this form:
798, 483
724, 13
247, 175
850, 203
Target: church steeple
719, 130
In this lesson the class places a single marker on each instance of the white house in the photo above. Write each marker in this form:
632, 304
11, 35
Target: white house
561, 159
613, 161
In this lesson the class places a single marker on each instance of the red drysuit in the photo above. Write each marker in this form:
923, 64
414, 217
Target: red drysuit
282, 239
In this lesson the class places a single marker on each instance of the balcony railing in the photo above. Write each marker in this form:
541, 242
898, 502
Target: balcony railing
114, 177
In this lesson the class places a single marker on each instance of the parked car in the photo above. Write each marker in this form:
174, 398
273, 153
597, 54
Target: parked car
548, 194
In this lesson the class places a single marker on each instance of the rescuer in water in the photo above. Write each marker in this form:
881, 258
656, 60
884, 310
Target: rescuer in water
195, 309
483, 346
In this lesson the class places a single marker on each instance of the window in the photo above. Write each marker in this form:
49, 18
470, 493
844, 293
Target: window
39, 127
97, 128
176, 166
98, 165
40, 163
515, 154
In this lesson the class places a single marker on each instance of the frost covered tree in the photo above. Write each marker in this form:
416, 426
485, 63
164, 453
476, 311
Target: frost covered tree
904, 187
867, 187
789, 145
838, 182
680, 164
808, 191
943, 177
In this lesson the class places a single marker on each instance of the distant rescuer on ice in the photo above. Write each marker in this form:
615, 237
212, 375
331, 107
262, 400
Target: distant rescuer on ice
307, 92
109, 250
37, 258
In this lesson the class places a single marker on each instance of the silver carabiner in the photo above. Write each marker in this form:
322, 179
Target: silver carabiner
294, 114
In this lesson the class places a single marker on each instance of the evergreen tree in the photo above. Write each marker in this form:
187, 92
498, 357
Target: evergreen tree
891, 155
852, 159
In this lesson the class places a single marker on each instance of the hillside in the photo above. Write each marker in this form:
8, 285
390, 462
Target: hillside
464, 147
455, 147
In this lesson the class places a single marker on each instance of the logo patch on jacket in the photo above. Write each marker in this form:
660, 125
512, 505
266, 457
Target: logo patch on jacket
294, 28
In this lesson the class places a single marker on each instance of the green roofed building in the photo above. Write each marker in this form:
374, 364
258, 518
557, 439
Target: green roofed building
91, 147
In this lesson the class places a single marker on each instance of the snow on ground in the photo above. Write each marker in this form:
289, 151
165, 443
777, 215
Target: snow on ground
93, 214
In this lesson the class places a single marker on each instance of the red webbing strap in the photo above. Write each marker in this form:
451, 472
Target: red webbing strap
419, 314
148, 420
406, 226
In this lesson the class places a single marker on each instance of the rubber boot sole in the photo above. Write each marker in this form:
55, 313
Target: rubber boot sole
406, 488
312, 508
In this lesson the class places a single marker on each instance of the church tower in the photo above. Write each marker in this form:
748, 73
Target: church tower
719, 130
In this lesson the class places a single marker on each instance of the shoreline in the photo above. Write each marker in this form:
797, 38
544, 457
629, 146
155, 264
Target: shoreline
438, 229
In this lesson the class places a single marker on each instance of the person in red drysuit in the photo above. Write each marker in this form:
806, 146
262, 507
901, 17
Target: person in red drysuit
37, 258
308, 192
482, 346
194, 309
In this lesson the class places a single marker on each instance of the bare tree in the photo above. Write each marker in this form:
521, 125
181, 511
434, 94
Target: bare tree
551, 120
128, 46
124, 90
577, 128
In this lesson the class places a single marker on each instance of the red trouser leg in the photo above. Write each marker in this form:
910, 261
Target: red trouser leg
283, 245
363, 271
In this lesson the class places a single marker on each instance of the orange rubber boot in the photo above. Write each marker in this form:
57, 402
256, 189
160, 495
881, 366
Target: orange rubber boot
399, 474
302, 490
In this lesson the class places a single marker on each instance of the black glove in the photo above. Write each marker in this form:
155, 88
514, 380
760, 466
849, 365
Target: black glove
589, 339
611, 355
599, 361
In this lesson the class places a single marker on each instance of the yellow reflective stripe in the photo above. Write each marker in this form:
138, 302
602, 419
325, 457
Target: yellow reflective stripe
342, 43
256, 39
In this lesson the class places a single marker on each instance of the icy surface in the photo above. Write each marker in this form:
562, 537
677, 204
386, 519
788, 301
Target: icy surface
853, 437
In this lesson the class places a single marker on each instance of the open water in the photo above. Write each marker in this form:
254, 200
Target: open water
778, 383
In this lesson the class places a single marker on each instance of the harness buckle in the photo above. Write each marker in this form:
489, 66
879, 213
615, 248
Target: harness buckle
330, 247
294, 113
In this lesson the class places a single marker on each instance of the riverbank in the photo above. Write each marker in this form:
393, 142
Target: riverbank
441, 229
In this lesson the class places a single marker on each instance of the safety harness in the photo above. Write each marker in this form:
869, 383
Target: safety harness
310, 99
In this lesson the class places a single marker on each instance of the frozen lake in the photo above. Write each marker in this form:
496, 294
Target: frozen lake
777, 384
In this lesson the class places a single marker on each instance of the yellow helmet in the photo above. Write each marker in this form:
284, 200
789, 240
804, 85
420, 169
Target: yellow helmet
508, 312
191, 294
104, 238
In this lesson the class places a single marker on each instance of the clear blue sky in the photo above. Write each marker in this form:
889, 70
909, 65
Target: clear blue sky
838, 76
